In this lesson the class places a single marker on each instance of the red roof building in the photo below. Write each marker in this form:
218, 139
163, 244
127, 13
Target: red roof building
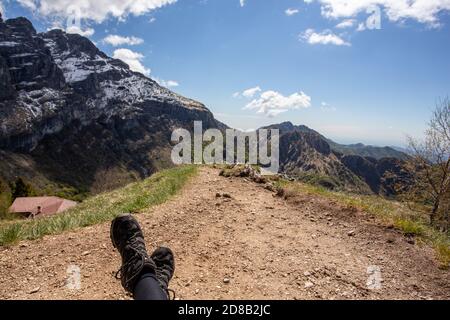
40, 206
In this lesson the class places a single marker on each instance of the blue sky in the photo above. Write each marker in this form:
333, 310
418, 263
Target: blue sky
359, 82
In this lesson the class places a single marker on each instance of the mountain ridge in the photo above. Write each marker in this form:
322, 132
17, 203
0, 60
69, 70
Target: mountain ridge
309, 156
74, 117
358, 149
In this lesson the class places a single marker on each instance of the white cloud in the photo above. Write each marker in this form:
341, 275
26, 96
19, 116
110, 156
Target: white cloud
325, 37
424, 11
57, 24
116, 40
242, 3
29, 4
172, 83
347, 23
361, 27
326, 107
97, 10
2, 10
250, 93
133, 59
291, 12
272, 103
85, 33
167, 84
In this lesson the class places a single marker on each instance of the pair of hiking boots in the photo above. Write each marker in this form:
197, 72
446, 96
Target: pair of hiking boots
127, 237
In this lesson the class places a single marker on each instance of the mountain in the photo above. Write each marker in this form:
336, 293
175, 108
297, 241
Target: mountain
368, 151
75, 119
75, 122
406, 151
309, 156
352, 149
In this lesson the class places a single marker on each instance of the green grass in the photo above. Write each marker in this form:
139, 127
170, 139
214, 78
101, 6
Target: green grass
410, 227
410, 222
443, 250
11, 234
104, 207
5, 199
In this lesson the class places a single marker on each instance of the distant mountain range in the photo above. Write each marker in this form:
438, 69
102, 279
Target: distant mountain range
74, 120
309, 156
351, 149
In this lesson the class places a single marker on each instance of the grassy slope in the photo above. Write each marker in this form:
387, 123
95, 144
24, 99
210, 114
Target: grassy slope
104, 207
389, 212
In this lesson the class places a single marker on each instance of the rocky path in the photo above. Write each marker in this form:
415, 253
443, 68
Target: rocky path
250, 245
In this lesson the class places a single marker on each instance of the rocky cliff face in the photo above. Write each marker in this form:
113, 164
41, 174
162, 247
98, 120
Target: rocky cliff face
385, 176
306, 154
79, 115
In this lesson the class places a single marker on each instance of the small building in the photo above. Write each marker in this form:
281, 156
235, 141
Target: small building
31, 207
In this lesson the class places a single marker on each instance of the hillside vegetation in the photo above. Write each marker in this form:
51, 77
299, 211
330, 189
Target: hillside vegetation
414, 223
104, 207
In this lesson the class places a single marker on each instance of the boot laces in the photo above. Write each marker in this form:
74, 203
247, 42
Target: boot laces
133, 245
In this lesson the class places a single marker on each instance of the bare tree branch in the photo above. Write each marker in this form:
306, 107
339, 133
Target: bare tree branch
431, 161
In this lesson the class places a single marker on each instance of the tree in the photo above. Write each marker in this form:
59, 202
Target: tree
21, 189
431, 162
5, 199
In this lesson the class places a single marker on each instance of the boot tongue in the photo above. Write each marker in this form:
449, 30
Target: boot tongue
134, 250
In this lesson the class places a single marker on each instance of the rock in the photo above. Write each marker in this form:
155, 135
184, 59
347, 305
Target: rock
309, 284
226, 195
351, 233
85, 253
226, 280
35, 290
259, 179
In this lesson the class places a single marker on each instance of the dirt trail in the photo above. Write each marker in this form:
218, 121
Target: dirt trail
250, 246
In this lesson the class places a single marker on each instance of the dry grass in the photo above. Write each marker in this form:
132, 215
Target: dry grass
104, 207
410, 222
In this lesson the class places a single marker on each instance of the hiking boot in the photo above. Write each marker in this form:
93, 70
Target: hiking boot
128, 239
165, 266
